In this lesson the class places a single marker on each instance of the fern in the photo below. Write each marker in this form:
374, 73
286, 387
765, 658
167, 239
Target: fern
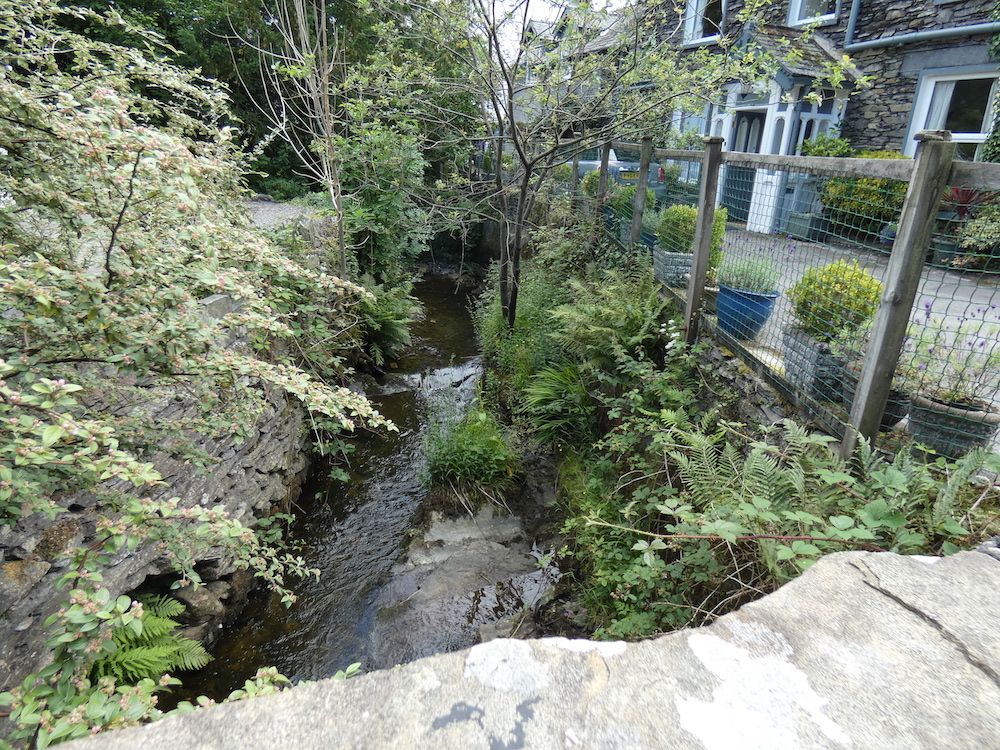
150, 646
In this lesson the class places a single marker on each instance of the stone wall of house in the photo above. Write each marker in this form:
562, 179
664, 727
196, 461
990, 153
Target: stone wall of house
879, 117
248, 478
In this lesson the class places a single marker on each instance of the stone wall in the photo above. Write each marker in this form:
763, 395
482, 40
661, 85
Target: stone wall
248, 479
864, 650
879, 117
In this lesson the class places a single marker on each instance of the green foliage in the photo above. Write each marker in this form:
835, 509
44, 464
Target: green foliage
750, 274
590, 183
559, 407
62, 702
677, 227
148, 647
612, 315
827, 144
980, 238
681, 521
621, 197
834, 299
864, 203
473, 453
386, 319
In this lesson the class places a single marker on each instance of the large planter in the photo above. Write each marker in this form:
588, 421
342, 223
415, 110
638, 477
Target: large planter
742, 313
807, 226
671, 269
945, 251
896, 407
949, 429
811, 367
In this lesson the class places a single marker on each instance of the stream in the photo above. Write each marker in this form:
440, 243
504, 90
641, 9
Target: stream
355, 532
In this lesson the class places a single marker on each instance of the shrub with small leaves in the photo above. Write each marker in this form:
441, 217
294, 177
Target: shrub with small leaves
834, 299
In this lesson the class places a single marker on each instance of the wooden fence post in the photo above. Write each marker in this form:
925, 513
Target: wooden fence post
931, 167
639, 201
702, 236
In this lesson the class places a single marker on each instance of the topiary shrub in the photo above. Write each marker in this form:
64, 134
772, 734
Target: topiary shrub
676, 229
834, 299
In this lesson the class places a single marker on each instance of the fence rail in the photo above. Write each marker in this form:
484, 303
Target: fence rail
883, 319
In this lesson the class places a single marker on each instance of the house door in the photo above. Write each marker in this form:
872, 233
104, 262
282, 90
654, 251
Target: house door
737, 189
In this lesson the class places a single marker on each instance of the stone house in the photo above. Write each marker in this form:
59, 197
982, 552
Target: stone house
917, 64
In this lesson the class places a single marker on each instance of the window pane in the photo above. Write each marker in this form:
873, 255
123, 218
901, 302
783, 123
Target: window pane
814, 8
712, 20
969, 103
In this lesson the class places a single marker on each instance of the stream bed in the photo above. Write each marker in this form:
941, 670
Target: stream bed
397, 581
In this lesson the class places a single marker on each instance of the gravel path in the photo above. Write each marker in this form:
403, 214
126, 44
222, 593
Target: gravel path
272, 213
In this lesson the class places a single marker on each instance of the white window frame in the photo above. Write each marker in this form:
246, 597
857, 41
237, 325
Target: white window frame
926, 86
694, 13
795, 11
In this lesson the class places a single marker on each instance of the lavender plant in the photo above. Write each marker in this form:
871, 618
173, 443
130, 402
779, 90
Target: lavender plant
954, 360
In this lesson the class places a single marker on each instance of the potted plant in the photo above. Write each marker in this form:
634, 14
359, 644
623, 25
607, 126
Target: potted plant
953, 368
980, 241
827, 302
748, 288
672, 254
859, 207
957, 206
850, 347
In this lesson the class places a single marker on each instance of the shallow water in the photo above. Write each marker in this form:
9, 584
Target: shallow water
352, 532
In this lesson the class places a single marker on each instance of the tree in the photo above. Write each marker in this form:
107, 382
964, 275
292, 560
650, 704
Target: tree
121, 210
589, 77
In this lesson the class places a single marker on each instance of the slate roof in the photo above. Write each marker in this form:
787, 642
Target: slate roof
811, 54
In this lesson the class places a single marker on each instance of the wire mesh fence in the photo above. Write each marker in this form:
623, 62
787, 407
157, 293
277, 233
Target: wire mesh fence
799, 259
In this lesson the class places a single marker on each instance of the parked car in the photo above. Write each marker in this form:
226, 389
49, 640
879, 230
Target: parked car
623, 166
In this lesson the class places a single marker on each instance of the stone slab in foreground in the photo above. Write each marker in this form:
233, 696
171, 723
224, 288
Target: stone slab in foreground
863, 651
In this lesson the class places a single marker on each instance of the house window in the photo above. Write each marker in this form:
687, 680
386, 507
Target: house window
960, 103
811, 11
703, 20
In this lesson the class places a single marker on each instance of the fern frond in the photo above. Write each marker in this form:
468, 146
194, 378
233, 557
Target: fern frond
189, 654
962, 472
130, 665
161, 605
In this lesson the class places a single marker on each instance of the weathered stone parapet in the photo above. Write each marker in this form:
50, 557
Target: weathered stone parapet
864, 650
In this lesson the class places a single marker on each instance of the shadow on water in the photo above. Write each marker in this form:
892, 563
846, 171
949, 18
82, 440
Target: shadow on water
352, 531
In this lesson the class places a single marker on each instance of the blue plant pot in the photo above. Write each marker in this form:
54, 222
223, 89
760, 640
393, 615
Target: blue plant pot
741, 313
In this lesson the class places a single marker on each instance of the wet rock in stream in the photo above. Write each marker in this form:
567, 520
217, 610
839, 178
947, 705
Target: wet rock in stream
457, 576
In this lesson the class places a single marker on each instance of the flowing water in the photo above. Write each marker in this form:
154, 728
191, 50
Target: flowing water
352, 532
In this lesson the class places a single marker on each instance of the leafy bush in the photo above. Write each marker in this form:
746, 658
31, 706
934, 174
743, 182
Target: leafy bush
980, 239
827, 144
864, 203
621, 199
834, 299
677, 227
589, 183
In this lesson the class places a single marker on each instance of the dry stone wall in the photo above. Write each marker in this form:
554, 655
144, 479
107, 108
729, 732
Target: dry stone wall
248, 478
